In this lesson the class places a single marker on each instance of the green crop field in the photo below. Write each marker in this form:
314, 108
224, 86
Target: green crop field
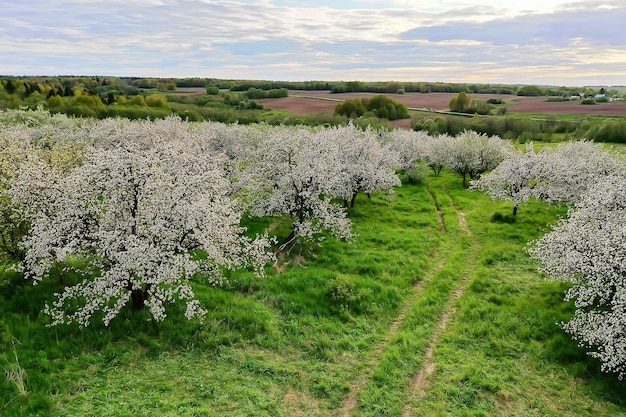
433, 310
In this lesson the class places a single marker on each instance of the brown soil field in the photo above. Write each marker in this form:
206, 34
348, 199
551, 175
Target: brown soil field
540, 105
313, 102
301, 102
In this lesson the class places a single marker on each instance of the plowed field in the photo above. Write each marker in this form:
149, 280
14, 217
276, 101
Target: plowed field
312, 102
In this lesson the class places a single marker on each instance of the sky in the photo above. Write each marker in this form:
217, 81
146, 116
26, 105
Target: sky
547, 42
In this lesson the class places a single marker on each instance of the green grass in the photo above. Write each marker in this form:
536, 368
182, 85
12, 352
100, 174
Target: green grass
346, 320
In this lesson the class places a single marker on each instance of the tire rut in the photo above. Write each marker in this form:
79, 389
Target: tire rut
373, 358
421, 380
440, 220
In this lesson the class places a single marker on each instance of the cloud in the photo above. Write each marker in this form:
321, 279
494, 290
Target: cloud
298, 40
598, 27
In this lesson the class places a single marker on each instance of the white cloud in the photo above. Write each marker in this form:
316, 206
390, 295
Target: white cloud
498, 41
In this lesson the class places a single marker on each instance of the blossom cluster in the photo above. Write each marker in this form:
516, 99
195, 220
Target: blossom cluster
562, 174
144, 213
588, 249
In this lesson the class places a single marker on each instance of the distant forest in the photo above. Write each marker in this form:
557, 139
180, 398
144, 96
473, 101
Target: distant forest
237, 101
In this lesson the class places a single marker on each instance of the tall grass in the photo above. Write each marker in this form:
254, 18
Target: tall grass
346, 319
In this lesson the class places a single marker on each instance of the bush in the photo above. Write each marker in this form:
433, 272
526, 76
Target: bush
530, 90
502, 218
347, 294
608, 131
55, 101
379, 106
253, 104
460, 103
156, 100
479, 107
138, 101
418, 173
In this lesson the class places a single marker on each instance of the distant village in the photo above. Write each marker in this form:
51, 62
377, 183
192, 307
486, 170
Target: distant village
600, 97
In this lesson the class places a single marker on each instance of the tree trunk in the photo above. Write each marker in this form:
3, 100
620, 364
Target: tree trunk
352, 201
138, 297
515, 210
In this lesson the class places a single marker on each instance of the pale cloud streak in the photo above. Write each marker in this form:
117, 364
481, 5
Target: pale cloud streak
542, 42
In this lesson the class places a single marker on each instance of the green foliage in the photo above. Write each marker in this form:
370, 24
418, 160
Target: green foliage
349, 295
418, 173
498, 217
478, 106
525, 128
257, 93
138, 101
380, 106
530, 90
55, 101
212, 90
156, 100
460, 103
608, 131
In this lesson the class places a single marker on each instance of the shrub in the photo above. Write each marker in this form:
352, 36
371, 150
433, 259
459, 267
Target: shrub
502, 218
460, 103
138, 101
530, 90
156, 100
348, 295
380, 106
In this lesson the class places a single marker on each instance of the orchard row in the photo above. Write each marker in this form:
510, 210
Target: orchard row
141, 208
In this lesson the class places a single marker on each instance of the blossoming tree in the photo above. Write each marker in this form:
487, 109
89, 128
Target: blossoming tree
470, 154
414, 150
566, 172
513, 179
291, 172
365, 165
145, 221
588, 249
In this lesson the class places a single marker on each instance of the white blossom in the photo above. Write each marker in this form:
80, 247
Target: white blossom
414, 149
291, 172
568, 170
472, 154
147, 217
513, 179
588, 249
365, 165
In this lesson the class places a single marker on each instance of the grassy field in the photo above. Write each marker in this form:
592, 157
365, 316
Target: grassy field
433, 310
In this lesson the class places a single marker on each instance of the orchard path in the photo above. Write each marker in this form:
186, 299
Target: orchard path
447, 214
